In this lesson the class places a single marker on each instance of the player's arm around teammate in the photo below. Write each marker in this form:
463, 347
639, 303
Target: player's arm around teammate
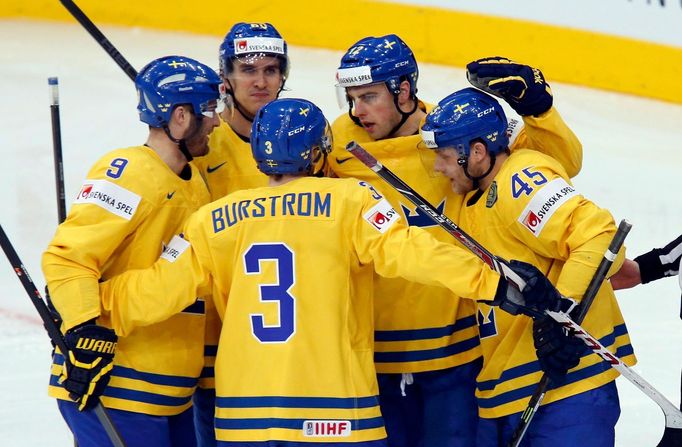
320, 238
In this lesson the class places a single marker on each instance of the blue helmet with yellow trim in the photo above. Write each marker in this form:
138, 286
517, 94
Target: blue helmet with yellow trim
170, 81
463, 117
385, 59
289, 136
252, 40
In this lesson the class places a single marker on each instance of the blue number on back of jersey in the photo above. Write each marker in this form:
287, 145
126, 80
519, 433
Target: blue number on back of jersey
278, 292
117, 167
519, 186
375, 193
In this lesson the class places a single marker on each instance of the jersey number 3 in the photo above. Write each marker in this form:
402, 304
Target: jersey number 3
278, 292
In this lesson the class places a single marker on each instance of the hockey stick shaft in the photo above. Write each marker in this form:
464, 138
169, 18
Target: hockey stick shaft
101, 39
51, 327
590, 293
53, 82
495, 263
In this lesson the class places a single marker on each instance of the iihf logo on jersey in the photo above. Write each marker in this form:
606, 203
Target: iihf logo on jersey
326, 429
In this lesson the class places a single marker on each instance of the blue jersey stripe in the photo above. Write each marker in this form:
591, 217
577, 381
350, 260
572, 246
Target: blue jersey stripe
425, 334
293, 424
297, 402
198, 307
210, 350
153, 378
427, 354
137, 396
527, 391
534, 366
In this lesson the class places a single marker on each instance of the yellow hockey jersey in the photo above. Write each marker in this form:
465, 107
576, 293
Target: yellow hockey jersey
229, 165
532, 213
129, 206
288, 267
415, 334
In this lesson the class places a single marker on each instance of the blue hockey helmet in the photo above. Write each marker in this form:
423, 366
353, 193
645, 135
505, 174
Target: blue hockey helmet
173, 80
253, 40
462, 117
289, 136
384, 59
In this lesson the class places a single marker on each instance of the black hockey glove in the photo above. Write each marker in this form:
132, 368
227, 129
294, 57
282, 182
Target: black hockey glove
523, 87
88, 363
537, 296
557, 350
660, 262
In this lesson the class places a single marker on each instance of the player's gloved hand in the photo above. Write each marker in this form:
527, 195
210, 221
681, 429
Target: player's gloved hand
537, 296
523, 87
557, 350
88, 363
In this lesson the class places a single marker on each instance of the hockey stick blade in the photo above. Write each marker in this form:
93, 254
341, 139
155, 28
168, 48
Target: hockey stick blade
51, 327
100, 38
495, 263
673, 416
588, 297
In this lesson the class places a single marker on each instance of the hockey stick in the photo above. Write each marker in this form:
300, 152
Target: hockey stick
673, 432
672, 436
53, 82
495, 263
588, 298
101, 39
51, 327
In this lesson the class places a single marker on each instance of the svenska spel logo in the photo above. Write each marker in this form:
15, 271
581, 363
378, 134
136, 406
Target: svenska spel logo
531, 221
241, 45
379, 219
85, 191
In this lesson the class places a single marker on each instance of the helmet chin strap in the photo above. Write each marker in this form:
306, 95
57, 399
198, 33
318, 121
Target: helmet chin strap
464, 163
321, 172
404, 116
247, 116
182, 142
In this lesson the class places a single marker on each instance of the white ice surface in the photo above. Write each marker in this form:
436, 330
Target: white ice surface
632, 165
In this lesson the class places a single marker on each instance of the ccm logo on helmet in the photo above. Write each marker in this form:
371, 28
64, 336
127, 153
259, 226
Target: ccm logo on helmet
485, 112
295, 131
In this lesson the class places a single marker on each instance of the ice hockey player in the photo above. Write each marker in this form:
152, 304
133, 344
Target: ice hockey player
132, 202
522, 205
427, 350
289, 266
254, 67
